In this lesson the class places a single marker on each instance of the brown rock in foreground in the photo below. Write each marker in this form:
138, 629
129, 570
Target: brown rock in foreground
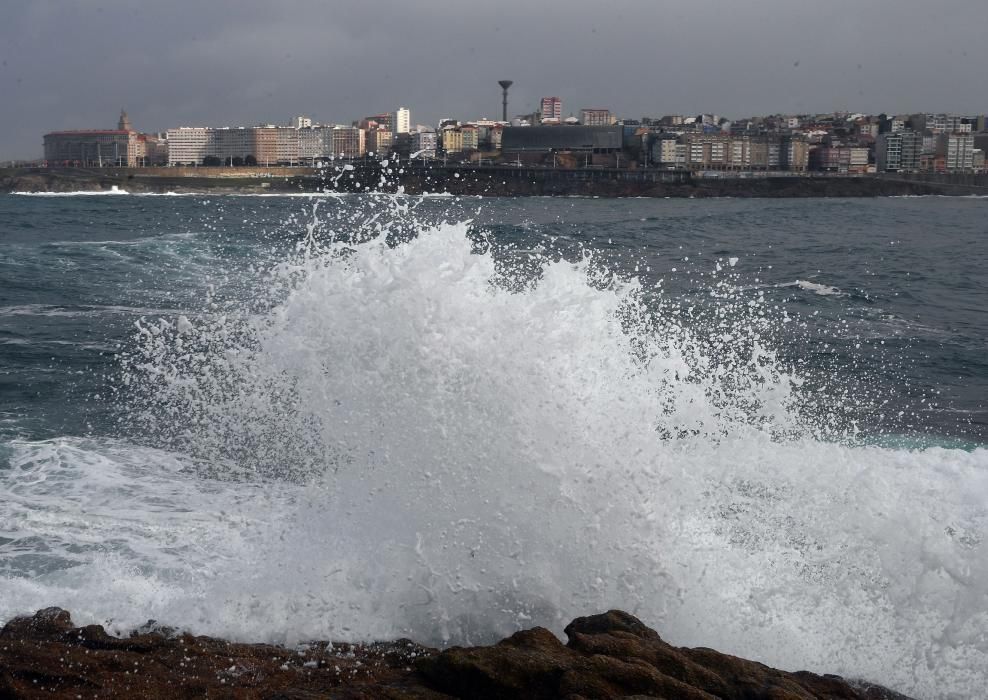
612, 655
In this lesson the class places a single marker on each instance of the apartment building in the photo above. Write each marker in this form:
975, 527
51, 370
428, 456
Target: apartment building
424, 144
379, 141
470, 135
957, 150
189, 145
840, 159
595, 117
315, 143
720, 151
349, 141
286, 145
452, 140
551, 109
899, 151
231, 142
402, 120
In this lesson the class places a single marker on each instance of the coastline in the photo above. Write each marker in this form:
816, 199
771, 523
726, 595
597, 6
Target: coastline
610, 655
470, 180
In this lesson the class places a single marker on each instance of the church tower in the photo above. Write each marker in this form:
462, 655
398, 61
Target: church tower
124, 123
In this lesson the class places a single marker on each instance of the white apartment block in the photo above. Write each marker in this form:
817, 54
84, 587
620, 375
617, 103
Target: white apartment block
190, 144
403, 118
957, 150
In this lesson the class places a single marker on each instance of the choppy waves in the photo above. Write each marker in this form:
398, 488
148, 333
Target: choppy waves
415, 440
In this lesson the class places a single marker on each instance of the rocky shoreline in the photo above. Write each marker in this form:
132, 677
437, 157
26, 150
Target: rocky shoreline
611, 655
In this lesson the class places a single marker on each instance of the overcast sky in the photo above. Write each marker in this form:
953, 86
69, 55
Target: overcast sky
73, 65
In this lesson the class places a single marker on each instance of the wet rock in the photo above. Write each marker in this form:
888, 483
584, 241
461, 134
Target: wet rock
42, 625
613, 655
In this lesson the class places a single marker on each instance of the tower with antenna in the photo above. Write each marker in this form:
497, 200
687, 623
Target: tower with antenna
505, 84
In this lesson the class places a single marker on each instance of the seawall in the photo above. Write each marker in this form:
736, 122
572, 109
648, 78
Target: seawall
488, 180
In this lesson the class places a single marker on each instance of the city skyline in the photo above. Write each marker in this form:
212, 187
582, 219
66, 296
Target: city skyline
73, 66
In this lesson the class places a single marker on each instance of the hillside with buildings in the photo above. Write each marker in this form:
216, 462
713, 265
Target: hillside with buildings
704, 146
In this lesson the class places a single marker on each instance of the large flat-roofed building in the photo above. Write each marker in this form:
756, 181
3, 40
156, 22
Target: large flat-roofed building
286, 145
96, 147
315, 143
189, 145
265, 145
91, 148
587, 139
230, 143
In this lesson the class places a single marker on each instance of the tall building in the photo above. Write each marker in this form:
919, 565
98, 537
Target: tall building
794, 154
424, 144
957, 151
551, 108
301, 122
888, 152
403, 118
899, 151
379, 141
452, 139
595, 117
385, 120
470, 136
664, 150
349, 141
912, 149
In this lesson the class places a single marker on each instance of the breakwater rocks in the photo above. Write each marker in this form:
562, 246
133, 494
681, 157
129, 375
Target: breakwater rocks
472, 180
613, 655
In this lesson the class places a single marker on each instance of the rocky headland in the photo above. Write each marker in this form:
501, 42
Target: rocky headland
612, 655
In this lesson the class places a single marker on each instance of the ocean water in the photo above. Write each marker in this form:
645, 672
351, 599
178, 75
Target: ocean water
758, 425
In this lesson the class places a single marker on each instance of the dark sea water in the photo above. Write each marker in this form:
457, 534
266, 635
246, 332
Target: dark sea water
758, 424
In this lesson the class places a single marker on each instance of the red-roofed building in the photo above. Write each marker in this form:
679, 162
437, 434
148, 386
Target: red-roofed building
94, 147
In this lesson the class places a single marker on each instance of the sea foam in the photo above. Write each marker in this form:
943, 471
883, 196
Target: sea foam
414, 440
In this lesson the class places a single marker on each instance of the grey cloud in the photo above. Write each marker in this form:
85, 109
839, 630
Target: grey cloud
73, 65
